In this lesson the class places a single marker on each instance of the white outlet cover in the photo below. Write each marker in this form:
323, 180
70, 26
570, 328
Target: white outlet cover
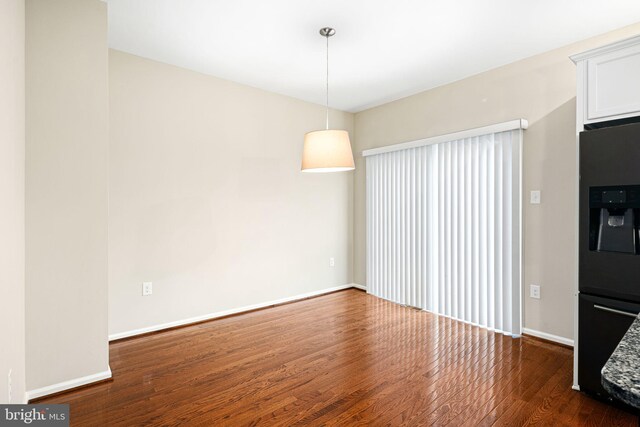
535, 197
147, 288
332, 262
534, 291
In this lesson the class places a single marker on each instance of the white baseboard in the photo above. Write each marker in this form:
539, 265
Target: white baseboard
546, 336
66, 385
211, 316
355, 285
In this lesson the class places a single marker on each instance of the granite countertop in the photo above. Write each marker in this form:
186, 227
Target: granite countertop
621, 373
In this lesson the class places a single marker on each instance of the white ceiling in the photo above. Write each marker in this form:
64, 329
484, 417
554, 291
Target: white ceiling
383, 49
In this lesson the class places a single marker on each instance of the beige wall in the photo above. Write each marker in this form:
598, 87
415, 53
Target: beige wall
66, 190
207, 200
12, 317
541, 89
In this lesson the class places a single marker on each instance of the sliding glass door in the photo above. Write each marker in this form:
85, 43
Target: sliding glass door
443, 228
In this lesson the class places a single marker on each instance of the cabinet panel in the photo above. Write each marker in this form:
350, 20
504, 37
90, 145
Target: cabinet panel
613, 83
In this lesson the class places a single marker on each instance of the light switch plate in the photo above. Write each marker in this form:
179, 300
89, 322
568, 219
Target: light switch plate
535, 197
332, 262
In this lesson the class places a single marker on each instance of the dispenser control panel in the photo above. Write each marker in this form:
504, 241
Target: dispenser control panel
627, 196
614, 196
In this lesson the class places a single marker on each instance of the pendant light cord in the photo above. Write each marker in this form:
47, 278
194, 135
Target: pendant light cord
327, 82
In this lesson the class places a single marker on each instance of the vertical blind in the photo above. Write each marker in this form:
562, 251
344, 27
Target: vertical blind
443, 228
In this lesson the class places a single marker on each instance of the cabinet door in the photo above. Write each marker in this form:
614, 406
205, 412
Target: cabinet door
613, 81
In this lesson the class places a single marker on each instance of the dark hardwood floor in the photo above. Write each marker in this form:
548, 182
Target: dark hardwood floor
345, 358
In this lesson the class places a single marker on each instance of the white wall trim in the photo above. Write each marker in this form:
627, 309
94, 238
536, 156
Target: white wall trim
549, 337
211, 316
357, 286
66, 385
470, 133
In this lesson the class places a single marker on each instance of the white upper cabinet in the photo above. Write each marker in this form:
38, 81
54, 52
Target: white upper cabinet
609, 81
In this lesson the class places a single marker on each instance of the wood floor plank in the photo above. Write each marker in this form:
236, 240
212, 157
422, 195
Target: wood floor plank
345, 358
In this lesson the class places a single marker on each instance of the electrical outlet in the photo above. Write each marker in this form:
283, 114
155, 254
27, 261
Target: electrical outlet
9, 386
535, 197
332, 262
147, 289
534, 291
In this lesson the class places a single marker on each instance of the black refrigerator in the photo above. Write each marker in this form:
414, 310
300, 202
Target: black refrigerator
609, 246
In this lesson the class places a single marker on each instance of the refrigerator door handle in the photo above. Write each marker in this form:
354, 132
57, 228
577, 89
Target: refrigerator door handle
613, 310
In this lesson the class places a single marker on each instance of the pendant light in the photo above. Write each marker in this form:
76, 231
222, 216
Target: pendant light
327, 150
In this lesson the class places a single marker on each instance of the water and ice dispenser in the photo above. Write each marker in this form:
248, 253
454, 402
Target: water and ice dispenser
614, 219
